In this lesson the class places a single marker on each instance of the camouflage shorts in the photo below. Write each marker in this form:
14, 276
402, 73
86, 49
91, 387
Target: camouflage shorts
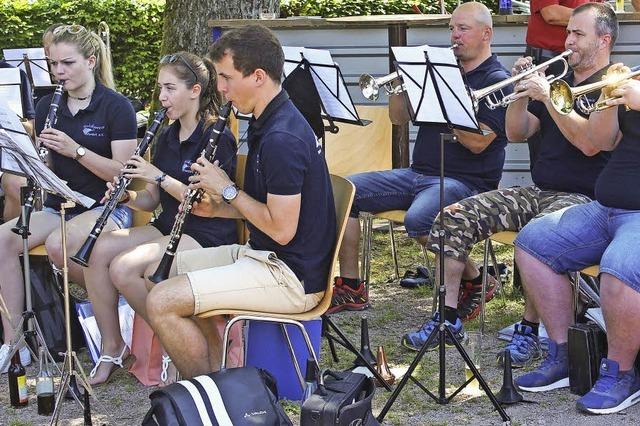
476, 218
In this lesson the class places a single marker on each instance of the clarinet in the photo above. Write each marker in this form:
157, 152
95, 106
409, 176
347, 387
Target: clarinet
193, 196
30, 197
84, 253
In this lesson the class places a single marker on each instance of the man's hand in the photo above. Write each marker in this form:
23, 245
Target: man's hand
627, 93
210, 177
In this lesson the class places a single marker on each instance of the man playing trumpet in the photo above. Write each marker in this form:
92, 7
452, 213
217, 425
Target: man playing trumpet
564, 171
473, 165
604, 231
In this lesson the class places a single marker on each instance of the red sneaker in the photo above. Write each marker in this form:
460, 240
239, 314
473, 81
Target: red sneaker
346, 298
469, 298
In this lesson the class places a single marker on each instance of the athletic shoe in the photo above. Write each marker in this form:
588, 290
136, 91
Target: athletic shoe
469, 297
346, 298
524, 347
5, 350
553, 373
612, 392
415, 340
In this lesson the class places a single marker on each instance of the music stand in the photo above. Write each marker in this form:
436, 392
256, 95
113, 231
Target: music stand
33, 61
432, 74
11, 90
20, 159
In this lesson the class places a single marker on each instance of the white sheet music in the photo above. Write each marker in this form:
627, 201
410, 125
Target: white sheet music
10, 90
332, 89
412, 66
39, 68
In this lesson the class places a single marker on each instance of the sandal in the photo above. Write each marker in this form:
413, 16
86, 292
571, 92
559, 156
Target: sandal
116, 361
164, 374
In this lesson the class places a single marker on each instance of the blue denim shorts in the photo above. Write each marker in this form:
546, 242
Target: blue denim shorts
576, 237
405, 189
122, 216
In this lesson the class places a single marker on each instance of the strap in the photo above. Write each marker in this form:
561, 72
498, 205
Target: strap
199, 402
165, 368
213, 394
117, 360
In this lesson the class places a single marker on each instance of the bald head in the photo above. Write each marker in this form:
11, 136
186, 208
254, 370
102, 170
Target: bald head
477, 10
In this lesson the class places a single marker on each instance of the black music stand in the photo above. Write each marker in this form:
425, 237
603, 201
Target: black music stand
431, 73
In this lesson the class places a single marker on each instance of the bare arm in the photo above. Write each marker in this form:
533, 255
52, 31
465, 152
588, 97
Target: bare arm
556, 14
398, 112
474, 142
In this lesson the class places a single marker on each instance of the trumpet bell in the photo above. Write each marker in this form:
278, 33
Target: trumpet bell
561, 97
369, 87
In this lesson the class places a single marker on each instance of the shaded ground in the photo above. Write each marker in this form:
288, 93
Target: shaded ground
395, 311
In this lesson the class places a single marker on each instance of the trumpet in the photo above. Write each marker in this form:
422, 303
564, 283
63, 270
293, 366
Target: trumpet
564, 98
370, 85
491, 92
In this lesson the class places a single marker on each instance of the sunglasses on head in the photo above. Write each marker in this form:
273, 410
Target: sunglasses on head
170, 59
71, 29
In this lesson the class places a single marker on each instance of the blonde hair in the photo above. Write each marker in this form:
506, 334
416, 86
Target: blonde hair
88, 43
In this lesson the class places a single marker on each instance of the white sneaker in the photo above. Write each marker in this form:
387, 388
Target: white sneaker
25, 356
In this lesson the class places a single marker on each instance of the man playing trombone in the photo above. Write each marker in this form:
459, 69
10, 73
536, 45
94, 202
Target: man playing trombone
564, 170
604, 231
473, 165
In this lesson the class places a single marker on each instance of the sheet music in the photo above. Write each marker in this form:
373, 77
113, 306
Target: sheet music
39, 67
10, 89
412, 66
292, 57
9, 120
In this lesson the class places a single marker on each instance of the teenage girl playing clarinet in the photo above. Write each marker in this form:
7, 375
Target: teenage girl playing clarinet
95, 133
119, 259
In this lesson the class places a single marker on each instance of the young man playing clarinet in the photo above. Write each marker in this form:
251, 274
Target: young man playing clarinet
286, 201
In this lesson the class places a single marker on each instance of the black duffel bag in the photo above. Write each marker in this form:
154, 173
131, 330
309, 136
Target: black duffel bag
342, 398
231, 397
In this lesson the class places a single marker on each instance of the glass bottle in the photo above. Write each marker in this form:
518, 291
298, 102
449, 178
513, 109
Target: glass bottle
18, 393
44, 387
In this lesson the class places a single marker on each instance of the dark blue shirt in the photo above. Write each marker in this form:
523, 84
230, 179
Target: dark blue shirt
28, 111
618, 185
480, 172
108, 117
174, 157
559, 165
285, 159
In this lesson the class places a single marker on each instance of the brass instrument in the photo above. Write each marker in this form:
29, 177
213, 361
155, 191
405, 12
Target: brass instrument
490, 92
563, 97
370, 85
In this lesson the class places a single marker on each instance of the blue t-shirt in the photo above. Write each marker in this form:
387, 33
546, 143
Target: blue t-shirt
108, 117
559, 165
285, 159
618, 185
174, 158
480, 172
28, 111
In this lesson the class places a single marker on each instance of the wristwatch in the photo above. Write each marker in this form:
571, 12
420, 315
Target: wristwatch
80, 152
229, 193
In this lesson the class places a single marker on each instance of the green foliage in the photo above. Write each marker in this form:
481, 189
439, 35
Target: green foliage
337, 8
135, 28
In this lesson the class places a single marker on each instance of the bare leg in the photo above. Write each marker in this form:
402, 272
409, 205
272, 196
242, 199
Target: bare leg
214, 340
11, 186
550, 294
103, 294
170, 306
349, 249
11, 279
620, 308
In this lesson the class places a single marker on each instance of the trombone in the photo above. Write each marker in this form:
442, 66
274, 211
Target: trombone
563, 97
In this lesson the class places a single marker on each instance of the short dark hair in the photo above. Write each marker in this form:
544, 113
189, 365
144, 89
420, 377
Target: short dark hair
251, 47
606, 20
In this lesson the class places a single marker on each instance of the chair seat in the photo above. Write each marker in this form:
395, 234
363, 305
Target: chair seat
592, 271
392, 215
504, 237
316, 312
40, 250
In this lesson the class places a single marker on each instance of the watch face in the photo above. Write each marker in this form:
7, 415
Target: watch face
229, 192
81, 151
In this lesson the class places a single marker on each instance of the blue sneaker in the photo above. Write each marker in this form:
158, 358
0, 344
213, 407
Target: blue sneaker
612, 392
415, 340
524, 347
553, 373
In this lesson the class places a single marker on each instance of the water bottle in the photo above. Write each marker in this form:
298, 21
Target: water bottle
505, 7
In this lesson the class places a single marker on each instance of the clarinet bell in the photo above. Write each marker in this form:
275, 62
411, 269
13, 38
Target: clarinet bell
508, 394
365, 347
382, 367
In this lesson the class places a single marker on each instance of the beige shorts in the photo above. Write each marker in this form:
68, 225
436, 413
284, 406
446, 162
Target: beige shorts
238, 277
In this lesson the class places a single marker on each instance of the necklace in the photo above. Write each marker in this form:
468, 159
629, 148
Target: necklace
81, 98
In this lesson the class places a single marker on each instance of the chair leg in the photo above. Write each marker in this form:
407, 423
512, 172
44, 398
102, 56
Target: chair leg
485, 281
498, 277
365, 264
394, 254
292, 354
427, 263
225, 339
576, 295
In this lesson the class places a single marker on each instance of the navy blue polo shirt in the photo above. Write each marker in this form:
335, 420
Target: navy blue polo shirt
618, 185
174, 157
559, 165
480, 172
108, 117
285, 159
28, 110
